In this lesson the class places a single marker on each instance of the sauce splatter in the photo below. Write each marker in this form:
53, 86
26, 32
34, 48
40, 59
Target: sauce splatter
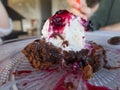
22, 72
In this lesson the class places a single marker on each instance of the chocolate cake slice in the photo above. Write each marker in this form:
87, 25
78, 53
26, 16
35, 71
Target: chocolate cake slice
42, 54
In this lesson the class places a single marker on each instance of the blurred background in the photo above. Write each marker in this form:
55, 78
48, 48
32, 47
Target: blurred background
29, 15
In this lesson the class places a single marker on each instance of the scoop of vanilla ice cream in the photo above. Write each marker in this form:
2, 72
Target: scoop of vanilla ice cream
72, 35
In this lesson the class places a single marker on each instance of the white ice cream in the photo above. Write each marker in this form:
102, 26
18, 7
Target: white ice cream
73, 33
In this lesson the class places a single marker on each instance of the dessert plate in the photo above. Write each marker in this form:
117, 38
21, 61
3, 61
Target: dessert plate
17, 74
22, 76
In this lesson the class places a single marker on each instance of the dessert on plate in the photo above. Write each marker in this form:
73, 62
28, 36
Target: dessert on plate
63, 44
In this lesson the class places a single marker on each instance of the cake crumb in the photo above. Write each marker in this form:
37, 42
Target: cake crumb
87, 72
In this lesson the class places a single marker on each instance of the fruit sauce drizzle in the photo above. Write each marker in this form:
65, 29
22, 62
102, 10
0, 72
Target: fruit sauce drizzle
28, 72
63, 17
69, 85
62, 84
59, 21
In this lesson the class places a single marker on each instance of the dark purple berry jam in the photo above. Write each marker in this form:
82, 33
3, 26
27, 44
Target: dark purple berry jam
58, 21
87, 24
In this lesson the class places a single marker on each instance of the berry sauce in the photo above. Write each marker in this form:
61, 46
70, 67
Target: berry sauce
60, 85
87, 25
22, 72
58, 22
92, 87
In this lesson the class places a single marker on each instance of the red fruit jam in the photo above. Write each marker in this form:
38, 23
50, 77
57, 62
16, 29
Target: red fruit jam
58, 22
